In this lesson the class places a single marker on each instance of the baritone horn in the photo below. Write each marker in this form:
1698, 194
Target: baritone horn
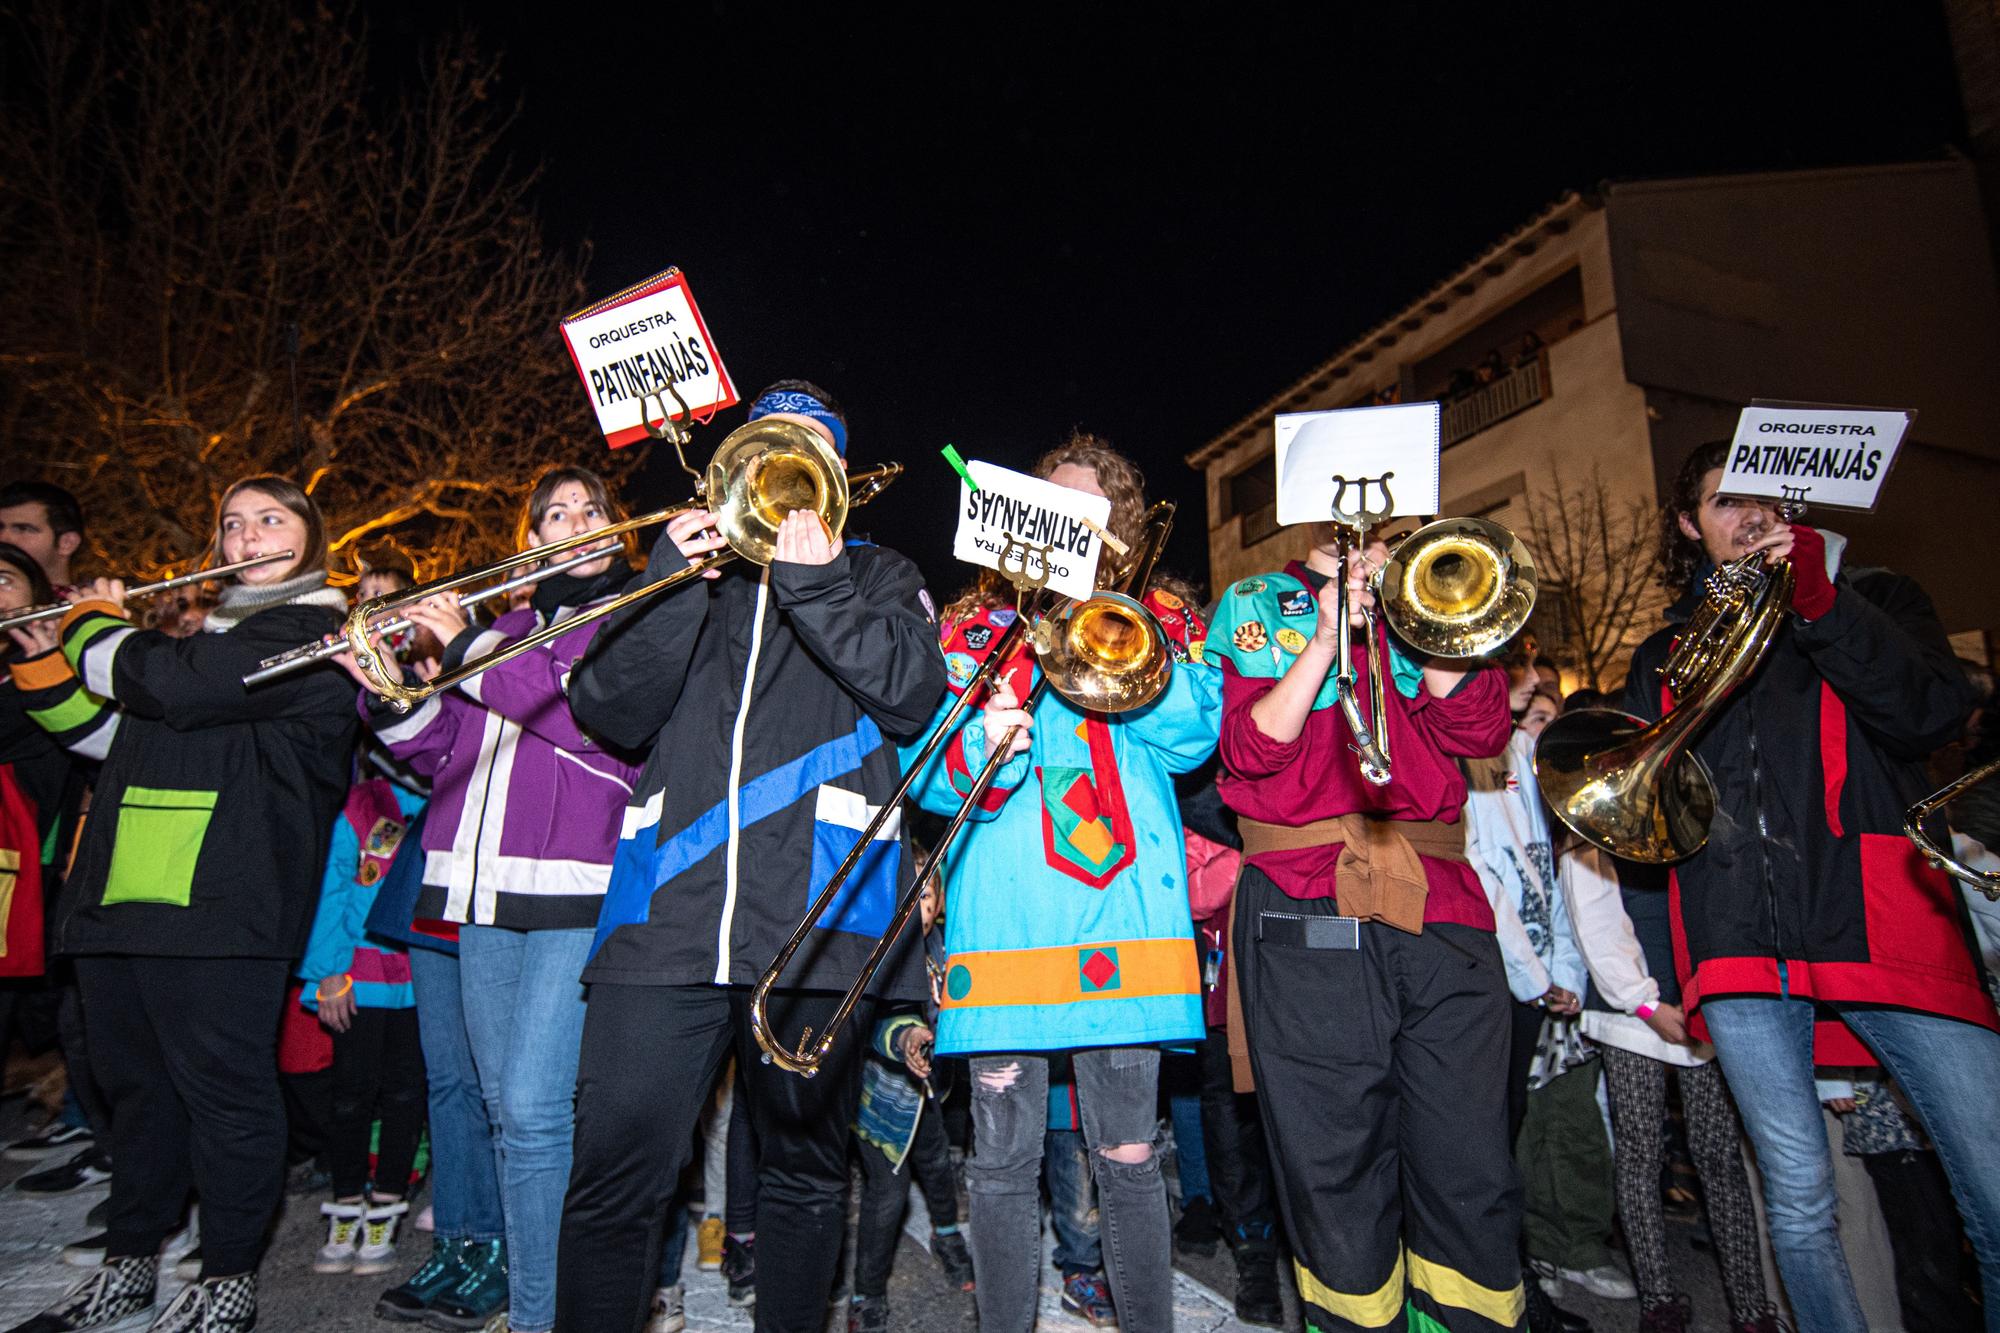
1105, 654
760, 473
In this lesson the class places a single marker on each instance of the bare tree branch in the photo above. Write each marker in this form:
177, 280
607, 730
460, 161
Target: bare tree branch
1597, 564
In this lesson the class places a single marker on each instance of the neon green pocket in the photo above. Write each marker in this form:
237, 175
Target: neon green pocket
160, 832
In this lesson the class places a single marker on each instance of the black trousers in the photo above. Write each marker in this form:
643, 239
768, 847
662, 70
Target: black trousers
1927, 1239
1232, 1136
378, 1071
1381, 1076
650, 1054
885, 1191
739, 1165
186, 1049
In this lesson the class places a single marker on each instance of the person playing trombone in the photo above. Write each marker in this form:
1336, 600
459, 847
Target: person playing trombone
1367, 979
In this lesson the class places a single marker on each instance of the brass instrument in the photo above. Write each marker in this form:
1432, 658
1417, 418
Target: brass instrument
1458, 587
30, 615
760, 473
1637, 790
1986, 881
1105, 654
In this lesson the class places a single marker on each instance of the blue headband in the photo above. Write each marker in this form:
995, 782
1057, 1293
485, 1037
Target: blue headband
804, 405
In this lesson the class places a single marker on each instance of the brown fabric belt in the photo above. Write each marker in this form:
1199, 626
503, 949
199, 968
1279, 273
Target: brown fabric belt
1378, 877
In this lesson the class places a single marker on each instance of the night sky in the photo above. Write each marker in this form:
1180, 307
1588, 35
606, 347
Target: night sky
1140, 220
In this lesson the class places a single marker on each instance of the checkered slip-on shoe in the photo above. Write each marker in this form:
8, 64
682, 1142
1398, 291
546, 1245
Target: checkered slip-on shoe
115, 1298
212, 1305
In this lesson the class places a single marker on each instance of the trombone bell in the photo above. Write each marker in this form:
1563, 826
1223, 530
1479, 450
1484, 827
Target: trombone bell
1106, 654
1459, 587
762, 472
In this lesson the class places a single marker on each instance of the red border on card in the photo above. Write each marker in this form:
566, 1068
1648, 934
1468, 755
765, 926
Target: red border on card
659, 282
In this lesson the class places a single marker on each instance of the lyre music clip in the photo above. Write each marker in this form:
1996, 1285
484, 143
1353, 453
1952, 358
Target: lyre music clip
1361, 516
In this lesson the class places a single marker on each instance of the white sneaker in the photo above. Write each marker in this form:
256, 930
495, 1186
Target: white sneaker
1606, 1280
377, 1251
343, 1222
669, 1313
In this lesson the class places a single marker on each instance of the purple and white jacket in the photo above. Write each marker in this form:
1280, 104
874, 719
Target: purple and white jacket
525, 805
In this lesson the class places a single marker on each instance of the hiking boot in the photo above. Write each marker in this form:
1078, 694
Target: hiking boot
343, 1224
739, 1269
669, 1310
949, 1249
49, 1140
1088, 1297
1200, 1228
407, 1303
88, 1252
212, 1305
1670, 1316
1257, 1299
480, 1292
115, 1297
376, 1252
79, 1172
868, 1314
708, 1244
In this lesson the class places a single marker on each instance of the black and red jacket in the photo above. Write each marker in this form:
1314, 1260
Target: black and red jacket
1815, 758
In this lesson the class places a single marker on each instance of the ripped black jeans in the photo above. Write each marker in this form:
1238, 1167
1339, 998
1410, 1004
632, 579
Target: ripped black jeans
1117, 1091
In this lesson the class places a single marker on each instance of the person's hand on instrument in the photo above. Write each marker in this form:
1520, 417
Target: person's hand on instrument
382, 655
1812, 590
36, 637
914, 1044
803, 540
336, 1002
441, 615
1004, 711
694, 536
1670, 1022
100, 590
1559, 1001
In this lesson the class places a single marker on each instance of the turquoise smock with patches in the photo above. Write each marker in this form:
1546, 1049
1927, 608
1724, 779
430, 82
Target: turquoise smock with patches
1066, 909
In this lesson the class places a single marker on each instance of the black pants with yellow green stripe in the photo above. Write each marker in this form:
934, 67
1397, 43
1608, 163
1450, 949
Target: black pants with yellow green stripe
1381, 1061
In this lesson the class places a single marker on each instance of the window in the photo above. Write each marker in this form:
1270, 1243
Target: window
1249, 488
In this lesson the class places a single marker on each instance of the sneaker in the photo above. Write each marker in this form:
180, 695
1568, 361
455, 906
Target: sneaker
739, 1268
50, 1139
669, 1312
1671, 1316
343, 1223
868, 1314
376, 1252
85, 1169
1257, 1299
480, 1292
950, 1251
88, 1252
407, 1303
1606, 1280
1199, 1230
708, 1245
212, 1305
115, 1297
1088, 1297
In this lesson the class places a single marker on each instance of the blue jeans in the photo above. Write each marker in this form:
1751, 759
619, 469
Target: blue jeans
1072, 1202
465, 1178
524, 1011
1947, 1069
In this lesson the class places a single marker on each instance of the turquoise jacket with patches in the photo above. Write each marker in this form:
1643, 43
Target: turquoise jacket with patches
1066, 917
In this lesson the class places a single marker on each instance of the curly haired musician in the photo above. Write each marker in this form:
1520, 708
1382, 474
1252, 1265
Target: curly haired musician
1808, 929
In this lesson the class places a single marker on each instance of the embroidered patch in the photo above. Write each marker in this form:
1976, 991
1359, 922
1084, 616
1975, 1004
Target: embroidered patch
383, 838
1097, 970
1250, 587
1003, 616
1291, 641
978, 636
369, 874
1296, 603
1167, 600
1196, 648
1249, 636
960, 667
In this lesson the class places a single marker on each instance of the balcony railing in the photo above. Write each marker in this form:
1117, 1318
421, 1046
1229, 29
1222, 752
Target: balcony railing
1516, 391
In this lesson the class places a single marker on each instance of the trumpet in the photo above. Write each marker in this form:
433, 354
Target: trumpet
53, 609
1458, 587
1986, 881
760, 473
1106, 654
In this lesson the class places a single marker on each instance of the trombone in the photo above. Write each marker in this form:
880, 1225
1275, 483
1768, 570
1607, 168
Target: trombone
761, 472
1986, 881
1458, 587
1106, 654
53, 609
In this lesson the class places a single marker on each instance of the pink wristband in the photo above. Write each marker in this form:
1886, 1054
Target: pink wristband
1646, 1010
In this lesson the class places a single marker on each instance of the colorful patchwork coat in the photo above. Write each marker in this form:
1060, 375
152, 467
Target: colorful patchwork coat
1066, 909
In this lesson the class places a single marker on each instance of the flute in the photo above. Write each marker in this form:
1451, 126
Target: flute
54, 609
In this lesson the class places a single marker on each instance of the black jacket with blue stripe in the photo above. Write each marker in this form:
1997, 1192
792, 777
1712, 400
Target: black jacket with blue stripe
772, 700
